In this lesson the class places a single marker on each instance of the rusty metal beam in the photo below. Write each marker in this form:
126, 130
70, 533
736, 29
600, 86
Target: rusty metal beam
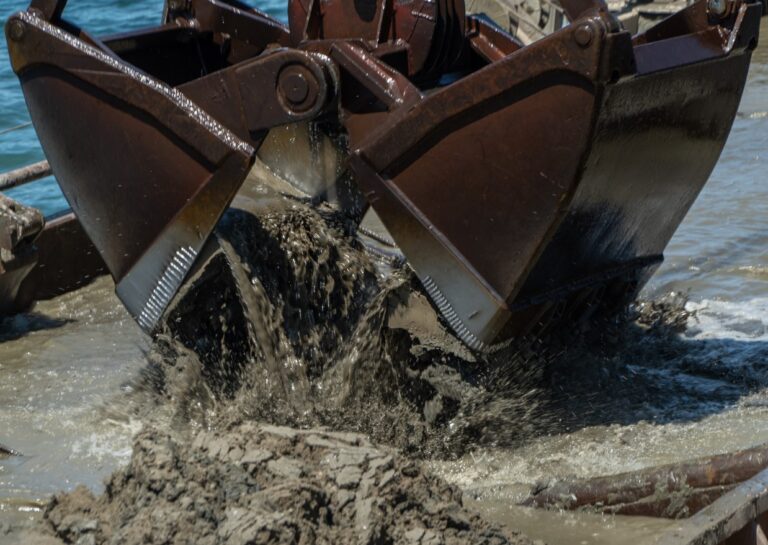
25, 175
694, 484
67, 260
737, 518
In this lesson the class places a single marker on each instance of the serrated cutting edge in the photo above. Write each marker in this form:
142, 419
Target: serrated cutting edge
165, 288
450, 315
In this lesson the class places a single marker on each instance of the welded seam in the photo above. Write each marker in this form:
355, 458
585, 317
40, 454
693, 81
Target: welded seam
176, 96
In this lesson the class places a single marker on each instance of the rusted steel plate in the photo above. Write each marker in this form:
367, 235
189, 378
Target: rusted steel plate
737, 518
671, 491
603, 200
67, 260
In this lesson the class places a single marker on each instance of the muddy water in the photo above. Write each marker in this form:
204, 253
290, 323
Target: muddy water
65, 374
63, 369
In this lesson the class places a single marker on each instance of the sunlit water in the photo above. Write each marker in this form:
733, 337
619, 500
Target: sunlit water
63, 370
61, 387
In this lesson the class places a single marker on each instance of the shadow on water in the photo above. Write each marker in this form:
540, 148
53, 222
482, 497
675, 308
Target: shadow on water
20, 325
655, 373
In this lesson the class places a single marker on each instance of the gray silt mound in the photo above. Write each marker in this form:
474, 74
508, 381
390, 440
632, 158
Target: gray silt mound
264, 484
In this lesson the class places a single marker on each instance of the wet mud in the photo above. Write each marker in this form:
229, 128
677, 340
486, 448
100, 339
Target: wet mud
307, 394
288, 322
265, 484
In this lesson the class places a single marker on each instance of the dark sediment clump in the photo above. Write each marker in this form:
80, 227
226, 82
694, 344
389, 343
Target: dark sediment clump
262, 484
290, 322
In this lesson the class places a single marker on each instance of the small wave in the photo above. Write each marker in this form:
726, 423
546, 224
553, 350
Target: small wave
752, 115
741, 320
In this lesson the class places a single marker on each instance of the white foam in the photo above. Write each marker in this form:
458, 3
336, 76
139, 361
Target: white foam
739, 320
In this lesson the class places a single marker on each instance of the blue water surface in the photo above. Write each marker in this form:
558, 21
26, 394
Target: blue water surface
100, 17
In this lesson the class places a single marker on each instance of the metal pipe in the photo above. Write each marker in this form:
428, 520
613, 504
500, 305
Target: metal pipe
637, 492
16, 128
24, 175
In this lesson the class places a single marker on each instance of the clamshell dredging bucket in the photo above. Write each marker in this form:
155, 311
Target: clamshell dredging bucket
521, 183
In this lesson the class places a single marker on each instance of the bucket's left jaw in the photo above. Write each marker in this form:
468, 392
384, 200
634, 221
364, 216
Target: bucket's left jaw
147, 171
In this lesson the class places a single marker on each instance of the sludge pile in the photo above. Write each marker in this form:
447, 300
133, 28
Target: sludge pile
263, 484
289, 323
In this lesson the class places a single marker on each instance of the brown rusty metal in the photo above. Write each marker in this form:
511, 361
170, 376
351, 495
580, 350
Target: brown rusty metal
672, 491
67, 260
488, 41
191, 161
19, 227
737, 518
526, 186
24, 175
42, 258
589, 210
283, 87
243, 30
429, 36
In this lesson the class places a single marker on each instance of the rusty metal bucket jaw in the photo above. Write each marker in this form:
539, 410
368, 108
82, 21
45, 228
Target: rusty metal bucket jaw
146, 169
445, 171
245, 30
527, 182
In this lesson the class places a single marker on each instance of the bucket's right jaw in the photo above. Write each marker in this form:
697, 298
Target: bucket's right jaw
146, 169
475, 181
